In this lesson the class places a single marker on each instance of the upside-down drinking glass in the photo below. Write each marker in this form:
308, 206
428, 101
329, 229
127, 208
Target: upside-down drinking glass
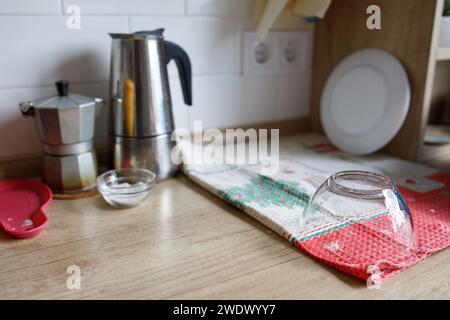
362, 219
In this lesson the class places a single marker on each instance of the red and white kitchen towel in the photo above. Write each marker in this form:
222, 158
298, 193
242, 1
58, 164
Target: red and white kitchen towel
305, 163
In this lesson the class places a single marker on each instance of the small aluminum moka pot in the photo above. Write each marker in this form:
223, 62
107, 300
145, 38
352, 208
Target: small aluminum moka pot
65, 125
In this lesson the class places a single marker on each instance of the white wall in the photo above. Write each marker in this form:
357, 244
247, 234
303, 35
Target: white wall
36, 49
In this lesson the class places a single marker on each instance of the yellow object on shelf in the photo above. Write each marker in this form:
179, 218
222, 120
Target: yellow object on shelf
266, 12
271, 12
258, 10
311, 8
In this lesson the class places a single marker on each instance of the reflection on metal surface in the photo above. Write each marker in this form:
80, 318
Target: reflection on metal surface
150, 153
70, 174
141, 108
65, 124
130, 110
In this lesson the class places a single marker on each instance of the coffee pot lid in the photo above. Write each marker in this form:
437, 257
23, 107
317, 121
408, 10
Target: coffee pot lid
157, 33
63, 100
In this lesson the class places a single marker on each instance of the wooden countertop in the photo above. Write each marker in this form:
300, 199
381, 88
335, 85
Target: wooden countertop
184, 243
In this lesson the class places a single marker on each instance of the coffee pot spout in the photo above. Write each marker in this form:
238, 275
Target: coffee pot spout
27, 108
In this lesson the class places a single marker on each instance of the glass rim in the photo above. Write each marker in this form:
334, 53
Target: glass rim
148, 182
337, 187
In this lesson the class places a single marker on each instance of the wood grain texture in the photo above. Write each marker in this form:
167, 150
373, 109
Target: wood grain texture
409, 32
440, 94
183, 242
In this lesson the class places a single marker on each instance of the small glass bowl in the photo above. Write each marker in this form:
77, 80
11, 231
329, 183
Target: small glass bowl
378, 226
125, 188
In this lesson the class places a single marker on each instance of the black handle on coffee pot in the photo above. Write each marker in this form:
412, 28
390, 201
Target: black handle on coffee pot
181, 58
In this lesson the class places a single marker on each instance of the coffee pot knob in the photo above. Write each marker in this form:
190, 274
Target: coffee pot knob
63, 87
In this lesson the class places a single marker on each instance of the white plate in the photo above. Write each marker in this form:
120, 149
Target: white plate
365, 101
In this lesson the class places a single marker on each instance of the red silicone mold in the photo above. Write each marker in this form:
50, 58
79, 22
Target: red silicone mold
22, 204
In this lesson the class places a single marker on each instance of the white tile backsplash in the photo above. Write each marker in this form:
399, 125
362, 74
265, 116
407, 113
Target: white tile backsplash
235, 8
38, 49
17, 133
226, 101
257, 99
216, 101
30, 7
124, 7
293, 96
42, 49
210, 42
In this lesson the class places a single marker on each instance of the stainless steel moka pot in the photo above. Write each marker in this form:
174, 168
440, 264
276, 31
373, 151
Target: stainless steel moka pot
65, 125
141, 119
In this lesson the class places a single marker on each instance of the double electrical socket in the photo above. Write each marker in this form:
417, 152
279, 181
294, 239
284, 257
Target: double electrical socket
280, 53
